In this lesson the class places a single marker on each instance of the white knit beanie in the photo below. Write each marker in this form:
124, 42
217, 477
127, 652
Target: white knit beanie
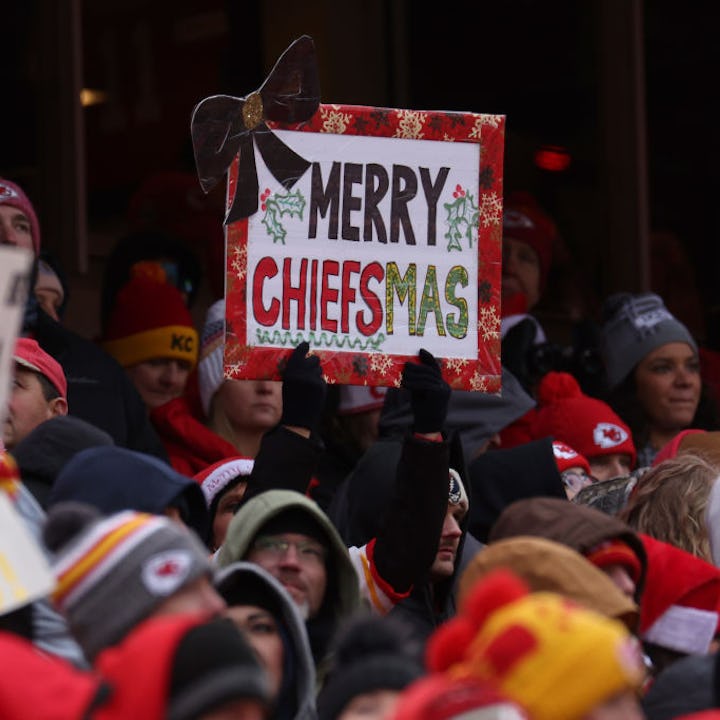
212, 349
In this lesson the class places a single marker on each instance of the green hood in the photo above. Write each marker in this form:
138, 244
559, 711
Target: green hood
254, 514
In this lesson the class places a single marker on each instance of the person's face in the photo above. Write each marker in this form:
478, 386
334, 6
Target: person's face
261, 630
197, 596
520, 271
50, 300
227, 506
378, 705
623, 706
668, 385
159, 380
444, 564
298, 562
604, 467
243, 709
621, 578
27, 406
15, 228
252, 405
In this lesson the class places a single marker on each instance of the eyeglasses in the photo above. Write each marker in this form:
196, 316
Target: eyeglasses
309, 551
576, 479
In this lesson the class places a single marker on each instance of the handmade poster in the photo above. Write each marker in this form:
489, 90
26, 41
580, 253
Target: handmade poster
15, 264
24, 573
368, 232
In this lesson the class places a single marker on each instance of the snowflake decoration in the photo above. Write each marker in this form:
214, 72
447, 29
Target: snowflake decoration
490, 210
447, 138
478, 382
238, 263
411, 124
335, 122
328, 379
397, 382
489, 324
456, 365
380, 363
481, 121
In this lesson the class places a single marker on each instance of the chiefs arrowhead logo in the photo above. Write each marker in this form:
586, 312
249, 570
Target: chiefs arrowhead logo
166, 572
609, 435
7, 192
563, 452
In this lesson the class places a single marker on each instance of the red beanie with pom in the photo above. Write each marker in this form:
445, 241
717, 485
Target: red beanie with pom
588, 425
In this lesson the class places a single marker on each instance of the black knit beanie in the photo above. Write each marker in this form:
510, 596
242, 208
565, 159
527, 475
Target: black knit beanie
213, 665
371, 653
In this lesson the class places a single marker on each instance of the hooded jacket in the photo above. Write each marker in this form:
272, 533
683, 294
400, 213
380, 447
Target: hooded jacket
360, 512
297, 693
500, 477
581, 528
43, 452
99, 389
114, 479
342, 596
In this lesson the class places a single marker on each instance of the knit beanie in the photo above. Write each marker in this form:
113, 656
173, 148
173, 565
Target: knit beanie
150, 320
566, 457
635, 325
115, 571
31, 356
371, 653
526, 221
13, 195
529, 644
616, 552
588, 425
211, 367
440, 697
214, 664
215, 478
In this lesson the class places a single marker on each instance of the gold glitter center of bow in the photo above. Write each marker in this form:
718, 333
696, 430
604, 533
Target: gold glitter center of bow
252, 111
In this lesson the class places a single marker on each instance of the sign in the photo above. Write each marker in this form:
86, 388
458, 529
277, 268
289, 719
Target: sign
15, 264
24, 572
368, 232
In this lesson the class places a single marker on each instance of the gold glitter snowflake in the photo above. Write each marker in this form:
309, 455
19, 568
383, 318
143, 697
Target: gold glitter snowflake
482, 121
238, 264
380, 363
333, 121
411, 124
456, 365
489, 323
478, 382
491, 210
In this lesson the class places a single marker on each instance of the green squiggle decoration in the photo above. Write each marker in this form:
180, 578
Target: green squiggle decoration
327, 340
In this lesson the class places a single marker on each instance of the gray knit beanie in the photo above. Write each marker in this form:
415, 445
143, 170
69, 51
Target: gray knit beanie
113, 572
211, 363
635, 325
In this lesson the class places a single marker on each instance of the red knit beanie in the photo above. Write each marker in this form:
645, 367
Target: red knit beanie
566, 457
587, 424
150, 320
616, 552
526, 221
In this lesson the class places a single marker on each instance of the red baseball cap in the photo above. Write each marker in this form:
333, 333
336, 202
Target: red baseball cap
30, 355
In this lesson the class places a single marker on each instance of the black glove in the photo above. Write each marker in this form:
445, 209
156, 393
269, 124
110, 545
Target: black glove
303, 389
429, 393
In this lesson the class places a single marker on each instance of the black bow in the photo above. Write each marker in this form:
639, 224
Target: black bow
223, 126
